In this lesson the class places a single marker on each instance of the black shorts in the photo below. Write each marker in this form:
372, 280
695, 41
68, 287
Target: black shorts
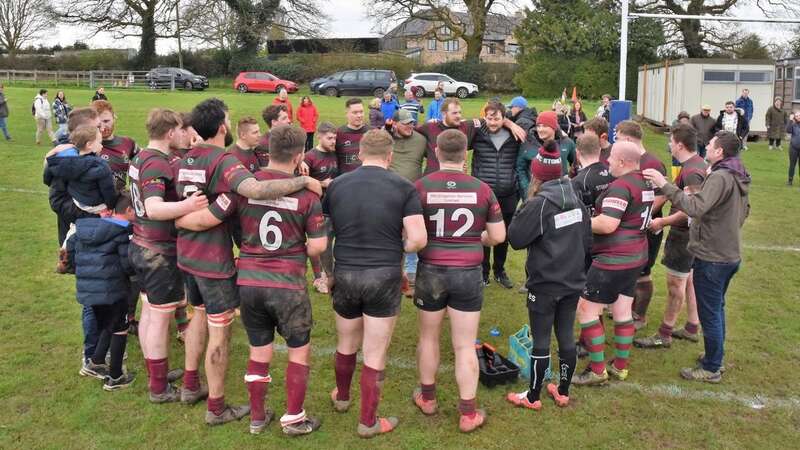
264, 309
548, 304
653, 246
604, 286
437, 287
217, 295
158, 275
677, 258
112, 318
371, 292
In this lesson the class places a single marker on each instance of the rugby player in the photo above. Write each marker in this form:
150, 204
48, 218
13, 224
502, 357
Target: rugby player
619, 253
117, 150
376, 215
594, 177
598, 126
205, 254
248, 136
349, 136
271, 278
273, 116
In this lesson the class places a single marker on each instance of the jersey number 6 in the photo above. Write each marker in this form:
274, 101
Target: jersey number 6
457, 214
265, 231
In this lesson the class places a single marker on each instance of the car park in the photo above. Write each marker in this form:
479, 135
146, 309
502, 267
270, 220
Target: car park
354, 82
164, 77
422, 84
262, 82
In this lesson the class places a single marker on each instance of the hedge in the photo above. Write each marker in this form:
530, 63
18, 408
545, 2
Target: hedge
546, 76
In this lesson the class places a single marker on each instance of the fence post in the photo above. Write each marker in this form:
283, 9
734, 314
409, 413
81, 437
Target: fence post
35, 76
91, 79
57, 73
172, 82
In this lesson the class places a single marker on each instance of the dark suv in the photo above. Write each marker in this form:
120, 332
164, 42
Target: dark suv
354, 82
161, 78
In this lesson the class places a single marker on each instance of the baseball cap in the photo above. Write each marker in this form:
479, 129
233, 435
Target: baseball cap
403, 116
706, 107
519, 102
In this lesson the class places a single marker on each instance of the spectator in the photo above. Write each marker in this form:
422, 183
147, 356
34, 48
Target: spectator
375, 115
718, 211
389, 105
440, 88
704, 124
604, 110
794, 144
100, 94
745, 103
61, 109
434, 113
777, 120
308, 116
483, 108
4, 113
283, 99
562, 113
412, 105
576, 119
546, 128
732, 120
42, 115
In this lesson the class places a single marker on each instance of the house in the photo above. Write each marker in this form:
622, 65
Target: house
787, 83
426, 40
667, 88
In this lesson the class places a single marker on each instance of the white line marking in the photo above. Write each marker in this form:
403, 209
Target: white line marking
22, 191
772, 248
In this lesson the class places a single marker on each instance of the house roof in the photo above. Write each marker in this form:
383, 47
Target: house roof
498, 27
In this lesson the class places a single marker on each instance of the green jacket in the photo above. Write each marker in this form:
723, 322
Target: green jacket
776, 122
407, 156
567, 148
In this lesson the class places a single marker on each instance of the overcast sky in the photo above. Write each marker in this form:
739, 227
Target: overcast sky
347, 19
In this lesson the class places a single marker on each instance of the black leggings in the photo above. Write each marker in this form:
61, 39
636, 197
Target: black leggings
775, 142
794, 157
553, 312
309, 140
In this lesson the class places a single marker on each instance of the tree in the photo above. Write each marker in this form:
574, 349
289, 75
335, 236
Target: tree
470, 27
696, 37
21, 21
209, 22
255, 19
146, 19
751, 47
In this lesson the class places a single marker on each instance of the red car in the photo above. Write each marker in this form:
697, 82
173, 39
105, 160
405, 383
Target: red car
262, 82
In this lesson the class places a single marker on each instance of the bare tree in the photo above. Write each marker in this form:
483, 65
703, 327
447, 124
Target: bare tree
21, 21
146, 19
471, 27
698, 39
209, 23
255, 19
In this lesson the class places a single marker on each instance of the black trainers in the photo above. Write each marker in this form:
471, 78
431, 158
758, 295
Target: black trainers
124, 380
503, 279
229, 414
486, 280
90, 369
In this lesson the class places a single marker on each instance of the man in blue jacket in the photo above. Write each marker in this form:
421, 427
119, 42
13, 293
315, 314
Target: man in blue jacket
745, 103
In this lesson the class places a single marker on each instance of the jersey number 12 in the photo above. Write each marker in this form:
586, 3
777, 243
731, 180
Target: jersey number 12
438, 218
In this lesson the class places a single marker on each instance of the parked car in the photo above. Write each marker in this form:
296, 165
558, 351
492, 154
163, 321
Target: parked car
354, 82
161, 78
262, 82
422, 84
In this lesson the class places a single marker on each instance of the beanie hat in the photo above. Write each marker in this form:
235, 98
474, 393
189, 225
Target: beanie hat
519, 102
548, 119
546, 165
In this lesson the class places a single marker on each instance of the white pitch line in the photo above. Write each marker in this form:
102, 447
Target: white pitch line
22, 191
772, 248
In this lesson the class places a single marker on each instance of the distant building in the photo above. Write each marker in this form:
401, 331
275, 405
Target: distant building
421, 39
129, 53
787, 82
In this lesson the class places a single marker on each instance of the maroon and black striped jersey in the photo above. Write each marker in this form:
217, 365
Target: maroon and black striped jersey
651, 161
273, 250
152, 175
629, 199
321, 165
693, 173
213, 171
348, 143
457, 208
262, 150
432, 130
118, 153
247, 157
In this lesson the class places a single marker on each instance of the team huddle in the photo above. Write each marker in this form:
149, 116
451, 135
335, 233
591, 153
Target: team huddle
160, 224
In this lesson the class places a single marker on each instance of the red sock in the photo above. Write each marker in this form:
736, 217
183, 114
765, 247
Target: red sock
157, 368
345, 366
370, 395
428, 391
692, 327
593, 337
467, 407
623, 338
296, 384
216, 405
191, 380
257, 388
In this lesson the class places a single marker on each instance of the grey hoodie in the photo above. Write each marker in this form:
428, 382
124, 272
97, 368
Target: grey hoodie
555, 227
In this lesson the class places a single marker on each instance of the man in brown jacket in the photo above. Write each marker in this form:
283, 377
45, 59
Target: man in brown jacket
703, 123
717, 213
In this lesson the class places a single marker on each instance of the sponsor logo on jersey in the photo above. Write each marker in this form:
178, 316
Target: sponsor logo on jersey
192, 176
460, 198
224, 202
133, 172
648, 196
104, 156
568, 218
451, 185
290, 203
616, 203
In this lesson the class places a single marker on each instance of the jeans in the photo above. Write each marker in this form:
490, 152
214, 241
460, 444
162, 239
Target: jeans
4, 127
794, 156
62, 131
701, 150
90, 332
711, 280
410, 264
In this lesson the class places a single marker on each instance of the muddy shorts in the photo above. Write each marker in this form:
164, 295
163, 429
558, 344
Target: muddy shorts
653, 246
605, 286
438, 287
158, 275
677, 258
216, 295
371, 292
265, 309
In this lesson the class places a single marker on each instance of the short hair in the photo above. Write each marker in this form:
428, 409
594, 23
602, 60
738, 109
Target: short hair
160, 121
730, 102
376, 142
685, 134
684, 115
102, 106
353, 101
42, 91
449, 101
123, 202
375, 103
452, 145
495, 106
80, 116
83, 135
631, 129
588, 144
207, 117
286, 142
272, 112
606, 96
186, 120
245, 122
729, 143
326, 127
599, 125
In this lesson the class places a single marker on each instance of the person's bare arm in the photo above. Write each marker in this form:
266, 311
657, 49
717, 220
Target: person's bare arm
158, 209
604, 224
416, 234
198, 220
316, 246
495, 233
274, 189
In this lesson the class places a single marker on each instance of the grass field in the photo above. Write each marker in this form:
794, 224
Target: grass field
47, 405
